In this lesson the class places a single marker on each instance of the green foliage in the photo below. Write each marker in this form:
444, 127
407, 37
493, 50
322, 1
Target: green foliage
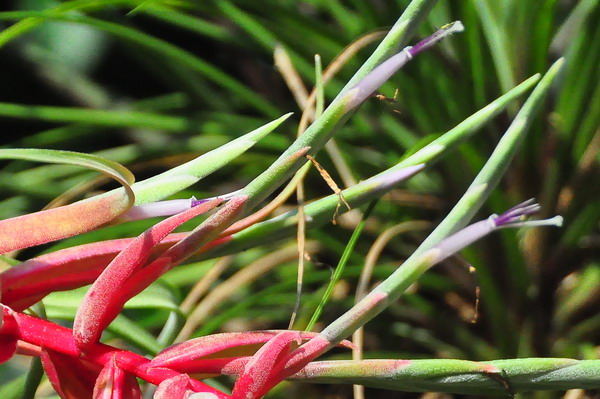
170, 89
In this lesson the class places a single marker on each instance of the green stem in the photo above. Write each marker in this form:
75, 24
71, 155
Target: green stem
504, 377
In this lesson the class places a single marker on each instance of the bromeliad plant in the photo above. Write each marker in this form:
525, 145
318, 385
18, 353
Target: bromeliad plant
79, 365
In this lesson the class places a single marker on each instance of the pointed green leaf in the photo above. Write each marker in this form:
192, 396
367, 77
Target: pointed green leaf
183, 176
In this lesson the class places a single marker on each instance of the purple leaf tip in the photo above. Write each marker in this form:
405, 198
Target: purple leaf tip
442, 33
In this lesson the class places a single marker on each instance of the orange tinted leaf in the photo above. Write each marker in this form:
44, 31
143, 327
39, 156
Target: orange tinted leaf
66, 221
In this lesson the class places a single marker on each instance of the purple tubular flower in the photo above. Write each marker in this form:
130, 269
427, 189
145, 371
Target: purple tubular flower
169, 207
517, 212
514, 217
363, 89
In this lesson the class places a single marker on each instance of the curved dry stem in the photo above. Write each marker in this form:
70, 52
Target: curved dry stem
291, 77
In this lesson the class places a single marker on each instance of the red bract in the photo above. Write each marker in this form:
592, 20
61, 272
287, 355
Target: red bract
8, 347
63, 356
66, 269
112, 371
180, 387
71, 378
188, 356
115, 287
256, 379
105, 298
114, 383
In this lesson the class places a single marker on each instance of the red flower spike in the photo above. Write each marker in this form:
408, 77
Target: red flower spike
199, 237
255, 381
59, 343
70, 377
70, 268
114, 383
101, 305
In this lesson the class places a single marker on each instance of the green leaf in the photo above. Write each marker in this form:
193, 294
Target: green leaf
183, 176
160, 47
419, 262
459, 376
321, 210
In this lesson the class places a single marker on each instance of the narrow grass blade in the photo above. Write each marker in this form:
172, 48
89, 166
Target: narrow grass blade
498, 40
96, 117
163, 49
339, 269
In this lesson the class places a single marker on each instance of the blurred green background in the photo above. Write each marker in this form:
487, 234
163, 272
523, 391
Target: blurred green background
203, 73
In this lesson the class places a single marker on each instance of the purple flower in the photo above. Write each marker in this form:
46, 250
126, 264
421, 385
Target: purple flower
514, 217
169, 207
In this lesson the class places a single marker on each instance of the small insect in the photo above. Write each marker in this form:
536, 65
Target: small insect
392, 100
388, 99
